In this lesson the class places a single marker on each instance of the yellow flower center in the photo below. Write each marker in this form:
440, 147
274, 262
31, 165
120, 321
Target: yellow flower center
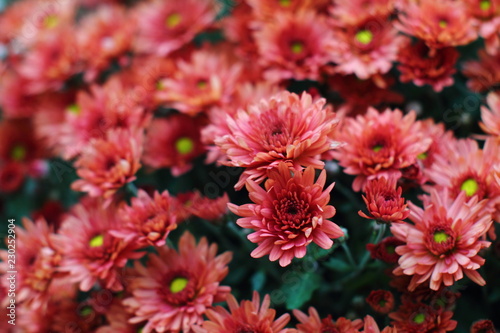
50, 21
470, 186
440, 237
96, 241
184, 145
74, 108
178, 284
419, 318
201, 84
18, 153
485, 5
364, 36
297, 47
443, 24
422, 156
173, 20
377, 148
285, 3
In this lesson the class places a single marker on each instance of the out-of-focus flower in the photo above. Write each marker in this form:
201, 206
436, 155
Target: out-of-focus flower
175, 288
90, 252
248, 316
173, 142
14, 99
352, 12
286, 128
379, 145
365, 49
483, 75
419, 317
107, 164
439, 24
294, 45
103, 36
148, 220
382, 301
266, 10
288, 215
165, 26
370, 326
384, 201
485, 14
208, 208
313, 323
117, 319
417, 64
444, 241
483, 326
491, 115
385, 250
206, 80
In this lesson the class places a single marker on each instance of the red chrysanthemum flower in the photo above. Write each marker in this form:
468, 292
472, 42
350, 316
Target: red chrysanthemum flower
419, 317
484, 74
421, 66
108, 164
385, 250
381, 301
365, 49
148, 220
288, 215
444, 241
248, 316
90, 252
379, 144
210, 209
491, 115
165, 26
384, 201
294, 45
483, 326
313, 323
370, 326
36, 262
176, 288
286, 128
173, 142
438, 23
208, 79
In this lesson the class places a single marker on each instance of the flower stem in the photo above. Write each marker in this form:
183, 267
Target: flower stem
348, 253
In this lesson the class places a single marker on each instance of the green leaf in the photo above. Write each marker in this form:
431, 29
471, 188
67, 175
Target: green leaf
258, 280
298, 287
338, 265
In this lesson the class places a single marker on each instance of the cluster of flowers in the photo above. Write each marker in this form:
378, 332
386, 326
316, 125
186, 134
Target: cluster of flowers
113, 87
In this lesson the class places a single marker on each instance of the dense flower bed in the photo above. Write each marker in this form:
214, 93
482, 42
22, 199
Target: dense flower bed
260, 166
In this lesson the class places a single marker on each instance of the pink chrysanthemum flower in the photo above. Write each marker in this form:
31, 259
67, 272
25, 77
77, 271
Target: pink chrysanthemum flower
444, 241
485, 14
248, 316
206, 80
484, 74
210, 209
491, 116
294, 45
173, 142
36, 261
285, 128
438, 23
384, 201
176, 288
102, 37
108, 164
379, 144
90, 252
165, 26
288, 215
365, 49
313, 323
416, 64
148, 220
266, 10
353, 12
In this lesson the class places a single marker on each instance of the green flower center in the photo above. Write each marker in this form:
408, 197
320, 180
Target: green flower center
364, 36
96, 241
440, 237
422, 156
18, 153
173, 20
443, 24
285, 3
470, 186
377, 148
297, 47
184, 145
485, 5
419, 318
50, 21
201, 84
390, 249
87, 310
178, 284
74, 108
